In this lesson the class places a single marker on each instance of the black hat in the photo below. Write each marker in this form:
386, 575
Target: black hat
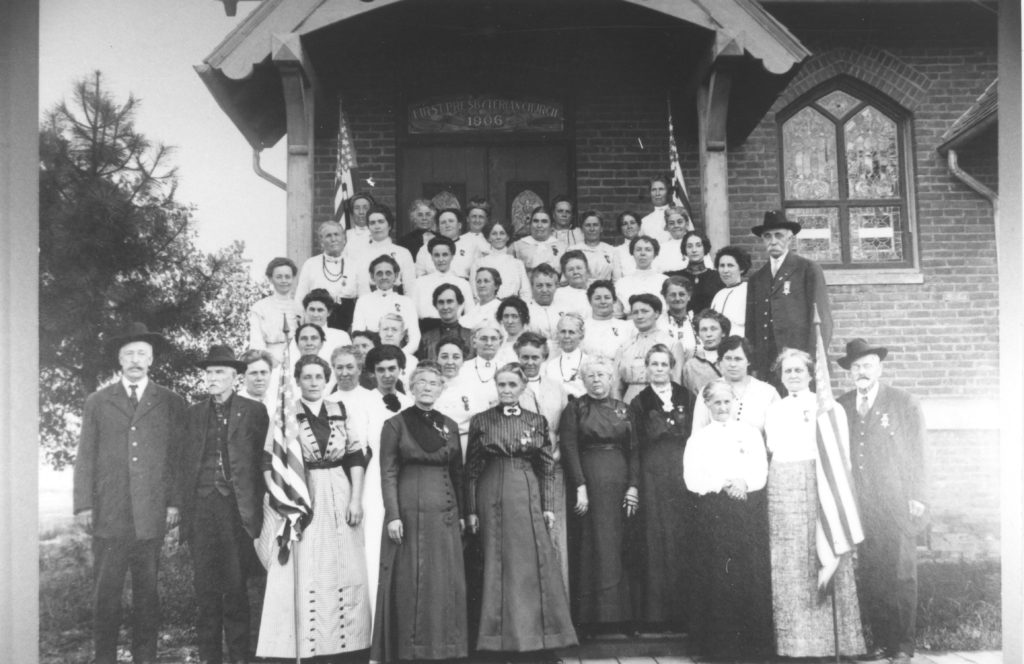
221, 356
773, 220
857, 349
136, 332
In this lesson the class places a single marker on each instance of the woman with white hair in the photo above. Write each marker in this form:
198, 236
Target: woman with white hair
599, 445
566, 365
488, 336
392, 331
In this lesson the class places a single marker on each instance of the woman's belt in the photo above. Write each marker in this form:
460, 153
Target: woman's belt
322, 465
602, 446
519, 463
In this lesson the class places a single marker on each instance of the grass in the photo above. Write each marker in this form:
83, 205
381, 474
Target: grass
958, 603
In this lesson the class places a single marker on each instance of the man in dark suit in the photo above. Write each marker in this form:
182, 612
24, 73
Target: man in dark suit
781, 298
887, 453
222, 493
125, 491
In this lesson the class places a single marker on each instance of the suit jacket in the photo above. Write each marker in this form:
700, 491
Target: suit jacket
887, 454
780, 311
124, 471
247, 433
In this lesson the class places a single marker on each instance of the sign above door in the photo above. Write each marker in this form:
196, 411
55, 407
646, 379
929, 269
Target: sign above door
479, 114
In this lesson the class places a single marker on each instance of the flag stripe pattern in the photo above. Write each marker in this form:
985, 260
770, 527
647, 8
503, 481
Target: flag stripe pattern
679, 193
288, 493
838, 528
343, 185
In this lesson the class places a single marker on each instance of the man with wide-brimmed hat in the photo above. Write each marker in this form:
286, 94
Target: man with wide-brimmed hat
887, 435
781, 297
125, 492
222, 493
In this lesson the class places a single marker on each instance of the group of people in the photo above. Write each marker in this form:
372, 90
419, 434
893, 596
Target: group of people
584, 439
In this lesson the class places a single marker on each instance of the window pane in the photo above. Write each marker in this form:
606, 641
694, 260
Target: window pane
876, 234
808, 147
872, 158
838, 103
819, 237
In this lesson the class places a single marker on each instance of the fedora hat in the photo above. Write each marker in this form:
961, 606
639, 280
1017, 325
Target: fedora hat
136, 332
857, 349
774, 220
221, 356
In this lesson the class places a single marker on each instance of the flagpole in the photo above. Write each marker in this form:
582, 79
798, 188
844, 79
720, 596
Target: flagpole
295, 544
835, 622
295, 577
831, 583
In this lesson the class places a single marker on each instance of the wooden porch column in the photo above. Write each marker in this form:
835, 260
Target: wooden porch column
712, 112
299, 86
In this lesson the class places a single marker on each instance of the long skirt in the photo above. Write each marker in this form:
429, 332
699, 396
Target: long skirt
600, 584
333, 604
524, 606
421, 602
661, 569
731, 594
803, 618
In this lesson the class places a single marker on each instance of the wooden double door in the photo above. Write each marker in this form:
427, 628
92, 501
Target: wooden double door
514, 178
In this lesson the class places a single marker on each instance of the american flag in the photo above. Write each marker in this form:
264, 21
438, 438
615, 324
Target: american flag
838, 529
679, 194
343, 170
289, 495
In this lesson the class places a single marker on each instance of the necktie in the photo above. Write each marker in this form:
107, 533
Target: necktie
862, 405
134, 396
512, 410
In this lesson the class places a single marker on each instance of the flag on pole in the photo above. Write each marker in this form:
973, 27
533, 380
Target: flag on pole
679, 195
838, 529
343, 187
288, 493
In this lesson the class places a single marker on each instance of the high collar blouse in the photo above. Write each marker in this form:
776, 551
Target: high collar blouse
723, 451
790, 428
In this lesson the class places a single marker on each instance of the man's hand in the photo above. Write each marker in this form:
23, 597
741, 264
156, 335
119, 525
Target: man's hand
473, 523
172, 517
549, 519
84, 520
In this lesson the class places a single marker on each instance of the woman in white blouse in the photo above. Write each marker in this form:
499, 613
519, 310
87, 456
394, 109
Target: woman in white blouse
605, 333
732, 264
380, 222
566, 365
725, 465
644, 279
450, 224
498, 256
753, 397
275, 316
486, 282
462, 398
623, 264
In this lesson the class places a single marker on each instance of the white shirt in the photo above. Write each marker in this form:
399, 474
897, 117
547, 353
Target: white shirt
641, 281
140, 386
533, 252
600, 259
406, 267
723, 451
334, 339
357, 238
544, 320
605, 337
872, 395
370, 308
670, 256
565, 369
569, 298
336, 274
653, 225
776, 263
461, 400
750, 407
514, 280
428, 283
480, 313
358, 404
682, 333
313, 406
466, 252
478, 374
572, 238
623, 263
731, 302
789, 427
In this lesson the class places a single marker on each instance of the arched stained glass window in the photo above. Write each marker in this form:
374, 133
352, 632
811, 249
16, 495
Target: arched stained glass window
845, 166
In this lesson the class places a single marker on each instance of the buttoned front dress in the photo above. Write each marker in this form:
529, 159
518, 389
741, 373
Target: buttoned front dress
510, 471
333, 601
421, 600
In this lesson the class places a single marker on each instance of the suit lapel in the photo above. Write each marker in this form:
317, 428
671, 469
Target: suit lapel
234, 418
150, 398
119, 398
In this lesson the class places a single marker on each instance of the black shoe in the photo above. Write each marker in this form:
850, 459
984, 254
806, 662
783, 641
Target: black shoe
874, 655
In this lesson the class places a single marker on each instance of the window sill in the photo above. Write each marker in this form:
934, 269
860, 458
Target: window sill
871, 277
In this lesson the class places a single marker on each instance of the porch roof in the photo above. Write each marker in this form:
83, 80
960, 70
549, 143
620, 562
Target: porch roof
982, 114
242, 79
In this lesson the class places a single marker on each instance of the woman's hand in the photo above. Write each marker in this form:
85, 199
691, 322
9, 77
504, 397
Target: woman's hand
631, 501
395, 531
354, 513
473, 523
582, 503
549, 520
462, 526
736, 489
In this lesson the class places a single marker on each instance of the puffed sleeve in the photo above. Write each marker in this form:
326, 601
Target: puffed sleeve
754, 460
695, 473
568, 441
475, 459
389, 467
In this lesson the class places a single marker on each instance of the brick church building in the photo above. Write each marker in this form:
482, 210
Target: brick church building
873, 124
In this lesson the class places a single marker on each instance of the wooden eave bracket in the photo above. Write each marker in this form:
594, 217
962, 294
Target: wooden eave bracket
299, 83
725, 56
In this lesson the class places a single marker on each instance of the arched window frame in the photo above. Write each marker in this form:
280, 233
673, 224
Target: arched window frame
846, 271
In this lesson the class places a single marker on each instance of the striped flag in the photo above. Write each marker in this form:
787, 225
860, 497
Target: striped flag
838, 529
679, 194
343, 187
288, 493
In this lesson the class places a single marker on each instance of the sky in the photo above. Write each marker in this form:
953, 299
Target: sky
148, 48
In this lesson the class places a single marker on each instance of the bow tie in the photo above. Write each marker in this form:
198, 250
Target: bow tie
512, 410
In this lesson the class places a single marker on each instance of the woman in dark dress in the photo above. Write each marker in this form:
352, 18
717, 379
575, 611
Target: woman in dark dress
599, 447
510, 491
706, 282
725, 465
421, 599
661, 415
